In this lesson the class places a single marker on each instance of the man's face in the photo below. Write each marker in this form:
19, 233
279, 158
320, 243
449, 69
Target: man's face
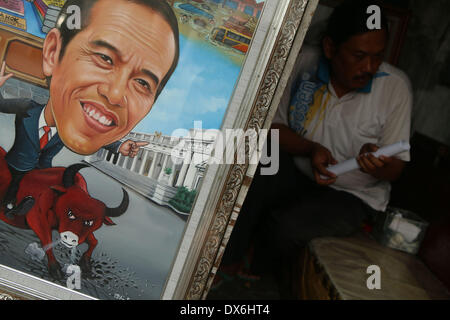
108, 77
355, 62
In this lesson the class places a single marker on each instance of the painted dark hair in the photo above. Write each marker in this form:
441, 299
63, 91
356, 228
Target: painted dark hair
350, 19
159, 6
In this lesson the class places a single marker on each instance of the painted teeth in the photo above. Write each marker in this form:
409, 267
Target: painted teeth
91, 112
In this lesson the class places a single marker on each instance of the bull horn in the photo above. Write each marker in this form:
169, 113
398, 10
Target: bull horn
70, 173
117, 212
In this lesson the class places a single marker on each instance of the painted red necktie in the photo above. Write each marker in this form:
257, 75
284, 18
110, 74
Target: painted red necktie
44, 139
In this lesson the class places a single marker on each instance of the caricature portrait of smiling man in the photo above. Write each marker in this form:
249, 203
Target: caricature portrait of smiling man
103, 80
108, 76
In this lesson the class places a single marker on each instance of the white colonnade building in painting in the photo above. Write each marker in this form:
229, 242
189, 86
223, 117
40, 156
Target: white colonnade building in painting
162, 166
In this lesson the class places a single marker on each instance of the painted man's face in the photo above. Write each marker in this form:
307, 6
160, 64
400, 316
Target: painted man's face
108, 77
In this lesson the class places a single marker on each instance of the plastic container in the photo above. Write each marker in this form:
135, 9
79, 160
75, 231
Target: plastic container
400, 229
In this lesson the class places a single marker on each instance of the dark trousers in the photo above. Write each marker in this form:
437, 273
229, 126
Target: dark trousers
282, 213
16, 177
266, 194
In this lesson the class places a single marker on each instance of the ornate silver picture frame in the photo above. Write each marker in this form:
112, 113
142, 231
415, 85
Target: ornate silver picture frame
282, 28
221, 186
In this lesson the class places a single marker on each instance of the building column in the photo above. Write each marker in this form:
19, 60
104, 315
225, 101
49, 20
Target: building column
133, 164
144, 161
125, 162
182, 176
119, 158
111, 159
172, 175
153, 165
166, 158
190, 176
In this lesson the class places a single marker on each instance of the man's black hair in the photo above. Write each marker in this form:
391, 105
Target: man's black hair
350, 19
159, 6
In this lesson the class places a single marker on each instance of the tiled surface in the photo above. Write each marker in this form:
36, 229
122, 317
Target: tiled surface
14, 88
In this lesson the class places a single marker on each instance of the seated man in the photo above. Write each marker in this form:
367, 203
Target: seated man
346, 102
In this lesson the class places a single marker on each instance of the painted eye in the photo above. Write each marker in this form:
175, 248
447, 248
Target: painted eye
144, 84
89, 223
105, 58
70, 215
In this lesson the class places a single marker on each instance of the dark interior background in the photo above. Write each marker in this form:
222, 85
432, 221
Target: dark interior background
424, 186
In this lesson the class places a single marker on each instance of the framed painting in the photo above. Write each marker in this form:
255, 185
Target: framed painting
130, 133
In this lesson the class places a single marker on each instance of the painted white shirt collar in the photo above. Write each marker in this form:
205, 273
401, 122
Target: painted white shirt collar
42, 124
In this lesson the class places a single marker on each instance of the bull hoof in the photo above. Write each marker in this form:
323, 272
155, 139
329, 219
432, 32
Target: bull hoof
21, 209
55, 271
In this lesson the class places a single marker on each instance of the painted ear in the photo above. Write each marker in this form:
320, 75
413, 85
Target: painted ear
59, 189
108, 221
51, 51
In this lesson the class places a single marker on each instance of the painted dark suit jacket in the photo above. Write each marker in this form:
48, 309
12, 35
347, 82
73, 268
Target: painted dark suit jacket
25, 154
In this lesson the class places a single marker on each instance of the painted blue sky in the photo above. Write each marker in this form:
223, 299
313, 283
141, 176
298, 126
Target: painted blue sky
199, 90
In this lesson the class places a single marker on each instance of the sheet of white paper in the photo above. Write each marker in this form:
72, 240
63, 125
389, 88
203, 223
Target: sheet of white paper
352, 164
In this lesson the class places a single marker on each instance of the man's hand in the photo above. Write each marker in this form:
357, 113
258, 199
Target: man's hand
130, 148
369, 163
321, 159
320, 156
4, 78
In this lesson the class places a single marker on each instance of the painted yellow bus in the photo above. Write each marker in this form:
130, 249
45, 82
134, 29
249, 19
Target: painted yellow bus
231, 38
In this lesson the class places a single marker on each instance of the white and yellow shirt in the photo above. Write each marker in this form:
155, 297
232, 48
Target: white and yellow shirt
380, 114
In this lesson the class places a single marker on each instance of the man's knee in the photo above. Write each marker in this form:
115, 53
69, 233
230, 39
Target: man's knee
312, 217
